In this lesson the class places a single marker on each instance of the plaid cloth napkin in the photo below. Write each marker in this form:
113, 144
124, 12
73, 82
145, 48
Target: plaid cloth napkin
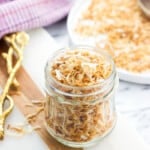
18, 15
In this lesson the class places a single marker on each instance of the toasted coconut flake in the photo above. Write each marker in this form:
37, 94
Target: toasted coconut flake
80, 68
18, 129
126, 28
29, 105
32, 117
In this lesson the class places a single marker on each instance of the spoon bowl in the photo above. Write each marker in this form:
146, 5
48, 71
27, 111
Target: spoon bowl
145, 6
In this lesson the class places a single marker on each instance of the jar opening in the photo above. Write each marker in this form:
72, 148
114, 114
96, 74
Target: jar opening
99, 87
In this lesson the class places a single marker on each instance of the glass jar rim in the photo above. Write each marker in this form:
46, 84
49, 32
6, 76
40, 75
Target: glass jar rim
91, 48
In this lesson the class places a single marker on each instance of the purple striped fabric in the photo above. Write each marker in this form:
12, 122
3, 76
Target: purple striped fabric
18, 15
4, 1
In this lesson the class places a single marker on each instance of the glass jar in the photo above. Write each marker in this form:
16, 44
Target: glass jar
80, 116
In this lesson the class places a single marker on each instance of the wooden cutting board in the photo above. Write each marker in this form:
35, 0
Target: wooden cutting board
28, 91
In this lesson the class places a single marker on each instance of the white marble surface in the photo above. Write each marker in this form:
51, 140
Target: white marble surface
132, 100
123, 136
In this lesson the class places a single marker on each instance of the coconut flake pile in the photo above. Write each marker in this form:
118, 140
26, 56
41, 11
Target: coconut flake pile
80, 68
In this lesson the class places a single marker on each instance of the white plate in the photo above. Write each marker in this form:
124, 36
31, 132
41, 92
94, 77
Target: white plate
74, 15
